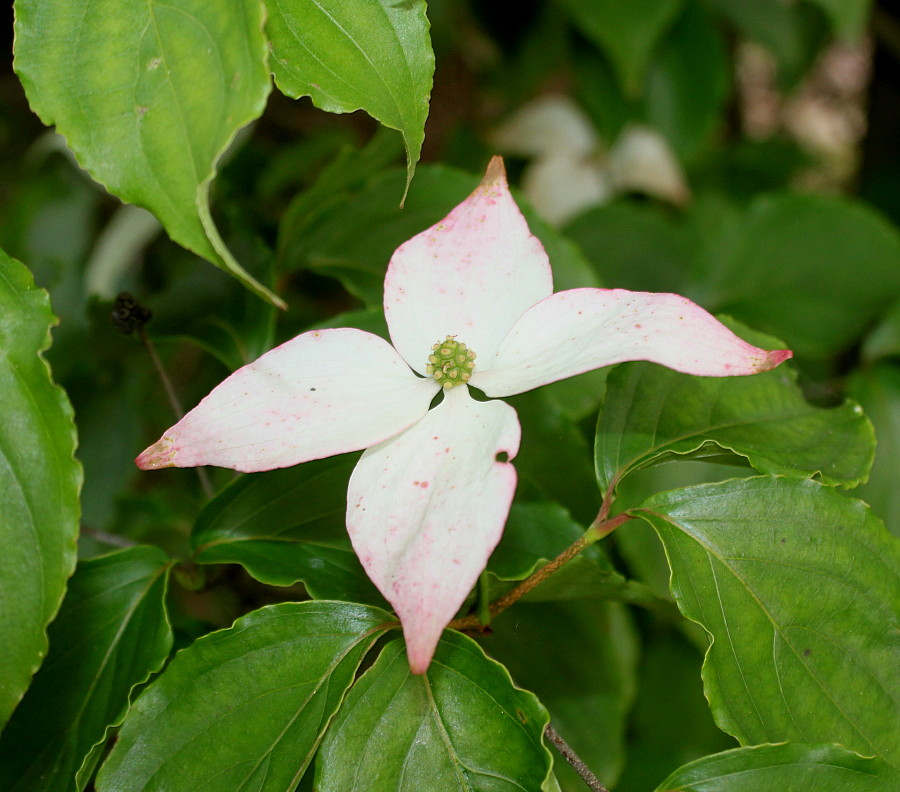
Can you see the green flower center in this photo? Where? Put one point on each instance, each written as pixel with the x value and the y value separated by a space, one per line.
pixel 450 362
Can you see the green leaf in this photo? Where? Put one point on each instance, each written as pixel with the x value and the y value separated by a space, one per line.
pixel 688 82
pixel 633 246
pixel 149 96
pixel 287 525
pixel 597 90
pixel 798 588
pixel 39 483
pixel 790 767
pixel 848 17
pixel 627 30
pixel 536 533
pixel 653 414
pixel 355 235
pixel 555 650
pixel 461 726
pixel 346 174
pixel 355 238
pixel 878 390
pixel 244 708
pixel 670 723
pixel 814 270
pixel 357 55
pixel 110 635
pixel 571 270
pixel 549 436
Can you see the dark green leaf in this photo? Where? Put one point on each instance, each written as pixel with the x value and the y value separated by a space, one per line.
pixel 538 532
pixel 39 483
pixel 555 650
pixel 578 397
pixel 670 723
pixel 571 270
pixel 688 83
pixel 813 270
pixel 461 726
pixel 287 525
pixel 627 30
pixel 633 246
pixel 346 174
pixel 110 635
pixel 653 414
pixel 244 708
pixel 357 55
pixel 598 91
pixel 790 767
pixel 149 96
pixel 848 17
pixel 354 236
pixel 798 588
pixel 549 436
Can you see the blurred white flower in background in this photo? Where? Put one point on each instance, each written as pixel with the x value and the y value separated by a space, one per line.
pixel 572 170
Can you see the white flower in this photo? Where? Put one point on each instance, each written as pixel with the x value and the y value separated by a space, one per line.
pixel 428 500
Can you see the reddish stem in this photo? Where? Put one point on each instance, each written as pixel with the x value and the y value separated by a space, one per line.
pixel 597 531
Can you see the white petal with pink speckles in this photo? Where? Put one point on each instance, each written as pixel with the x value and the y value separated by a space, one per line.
pixel 471 275
pixel 322 393
pixel 426 508
pixel 583 329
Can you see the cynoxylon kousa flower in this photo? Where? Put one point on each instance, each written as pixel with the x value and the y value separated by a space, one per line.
pixel 469 303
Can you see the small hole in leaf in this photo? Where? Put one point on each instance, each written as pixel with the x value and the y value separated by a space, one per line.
pixel 502 456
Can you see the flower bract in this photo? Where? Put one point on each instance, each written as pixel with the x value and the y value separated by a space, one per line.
pixel 428 499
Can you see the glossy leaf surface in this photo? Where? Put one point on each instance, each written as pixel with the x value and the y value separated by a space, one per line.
pixel 461 726
pixel 798 588
pixel 149 96
pixel 791 767
pixel 111 633
pixel 555 649
pixel 39 483
pixel 244 708
pixel 285 526
pixel 652 414
pixel 357 55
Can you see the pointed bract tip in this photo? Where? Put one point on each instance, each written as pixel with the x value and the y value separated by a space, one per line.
pixel 775 358
pixel 495 173
pixel 421 644
pixel 160 455
pixel 419 661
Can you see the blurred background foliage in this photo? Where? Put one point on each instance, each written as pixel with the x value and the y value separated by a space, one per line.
pixel 746 155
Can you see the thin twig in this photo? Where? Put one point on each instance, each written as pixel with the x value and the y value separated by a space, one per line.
pixel 107 538
pixel 173 400
pixel 594 533
pixel 162 373
pixel 577 764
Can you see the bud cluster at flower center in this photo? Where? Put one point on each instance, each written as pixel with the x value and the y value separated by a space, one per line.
pixel 450 362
